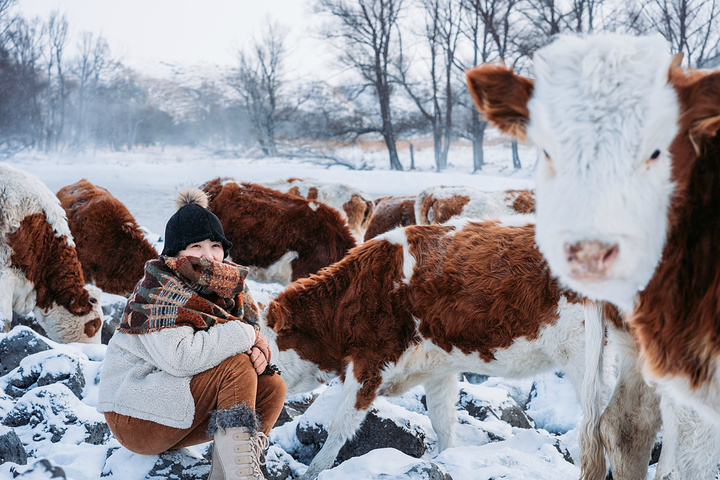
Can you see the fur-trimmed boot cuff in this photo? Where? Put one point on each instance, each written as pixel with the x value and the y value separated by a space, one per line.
pixel 236 416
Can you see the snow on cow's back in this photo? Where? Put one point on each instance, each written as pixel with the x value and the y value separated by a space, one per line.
pixel 23 194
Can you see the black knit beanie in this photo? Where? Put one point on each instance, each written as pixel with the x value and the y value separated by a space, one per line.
pixel 192 223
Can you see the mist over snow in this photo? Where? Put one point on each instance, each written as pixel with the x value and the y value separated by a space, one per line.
pixel 66 430
pixel 146 181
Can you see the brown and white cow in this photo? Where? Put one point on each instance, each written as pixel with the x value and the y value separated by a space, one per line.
pixel 419 304
pixel 438 204
pixel 39 267
pixel 281 237
pixel 628 189
pixel 391 212
pixel 110 245
pixel 355 206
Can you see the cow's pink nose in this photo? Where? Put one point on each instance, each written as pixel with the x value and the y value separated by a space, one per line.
pixel 591 260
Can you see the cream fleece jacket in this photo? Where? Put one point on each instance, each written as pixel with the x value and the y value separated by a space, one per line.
pixel 148 376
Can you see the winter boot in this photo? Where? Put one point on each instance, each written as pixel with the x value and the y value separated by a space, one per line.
pixel 238 447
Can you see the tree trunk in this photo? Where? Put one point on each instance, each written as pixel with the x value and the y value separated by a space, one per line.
pixel 447 136
pixel 478 129
pixel 437 143
pixel 388 131
pixel 412 157
pixel 392 151
pixel 515 155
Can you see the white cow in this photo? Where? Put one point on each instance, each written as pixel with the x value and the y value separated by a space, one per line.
pixel 438 204
pixel 39 267
pixel 627 191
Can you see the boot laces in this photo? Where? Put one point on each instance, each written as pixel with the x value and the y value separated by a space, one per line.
pixel 260 444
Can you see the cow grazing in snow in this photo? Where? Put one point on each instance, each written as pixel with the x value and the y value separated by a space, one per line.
pixel 419 304
pixel 39 267
pixel 391 212
pixel 628 189
pixel 355 206
pixel 439 204
pixel 110 245
pixel 281 237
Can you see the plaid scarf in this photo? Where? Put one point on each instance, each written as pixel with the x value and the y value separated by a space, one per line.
pixel 188 291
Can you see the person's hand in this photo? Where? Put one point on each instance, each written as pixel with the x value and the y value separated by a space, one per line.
pixel 260 353
pixel 258 360
pixel 262 344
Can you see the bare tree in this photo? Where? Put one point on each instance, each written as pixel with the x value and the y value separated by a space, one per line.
pixel 441 32
pixel 6 21
pixel 56 38
pixel 368 39
pixel 691 27
pixel 21 116
pixel 124 104
pixel 547 18
pixel 488 26
pixel 582 15
pixel 93 61
pixel 259 80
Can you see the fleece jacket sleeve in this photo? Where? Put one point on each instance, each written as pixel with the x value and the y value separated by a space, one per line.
pixel 182 352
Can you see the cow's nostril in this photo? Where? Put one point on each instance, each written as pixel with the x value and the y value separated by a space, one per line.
pixel 571 251
pixel 591 259
pixel 610 254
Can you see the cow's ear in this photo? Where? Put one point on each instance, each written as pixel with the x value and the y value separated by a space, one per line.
pixel 699 96
pixel 501 96
pixel 703 130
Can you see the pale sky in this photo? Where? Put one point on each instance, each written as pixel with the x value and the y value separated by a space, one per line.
pixel 182 30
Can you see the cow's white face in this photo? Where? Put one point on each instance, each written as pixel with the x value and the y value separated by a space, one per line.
pixel 604 115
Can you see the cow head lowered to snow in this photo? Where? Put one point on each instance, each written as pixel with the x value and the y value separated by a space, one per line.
pixel 627 189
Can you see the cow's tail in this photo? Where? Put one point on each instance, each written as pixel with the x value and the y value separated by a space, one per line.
pixel 592 454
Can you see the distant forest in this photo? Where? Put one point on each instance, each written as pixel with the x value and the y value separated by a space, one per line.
pixel 404 62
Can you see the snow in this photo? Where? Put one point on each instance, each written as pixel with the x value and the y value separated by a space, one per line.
pixel 147 181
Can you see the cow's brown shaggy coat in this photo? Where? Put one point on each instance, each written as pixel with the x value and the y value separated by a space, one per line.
pixel 391 212
pixel 264 225
pixel 110 245
pixel 51 264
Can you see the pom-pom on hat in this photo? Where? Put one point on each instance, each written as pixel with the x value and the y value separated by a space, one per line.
pixel 192 223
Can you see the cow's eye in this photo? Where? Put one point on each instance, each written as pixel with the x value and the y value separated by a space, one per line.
pixel 547 155
pixel 655 155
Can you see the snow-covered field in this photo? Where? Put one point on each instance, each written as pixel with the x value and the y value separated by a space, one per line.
pixel 147 181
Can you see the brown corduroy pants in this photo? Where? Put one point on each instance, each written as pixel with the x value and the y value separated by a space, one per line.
pixel 231 383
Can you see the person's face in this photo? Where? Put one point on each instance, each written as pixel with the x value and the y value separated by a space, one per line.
pixel 206 249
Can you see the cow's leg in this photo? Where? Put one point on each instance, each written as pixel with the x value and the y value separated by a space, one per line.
pixel 441 394
pixel 345 422
pixel 691 444
pixel 631 420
